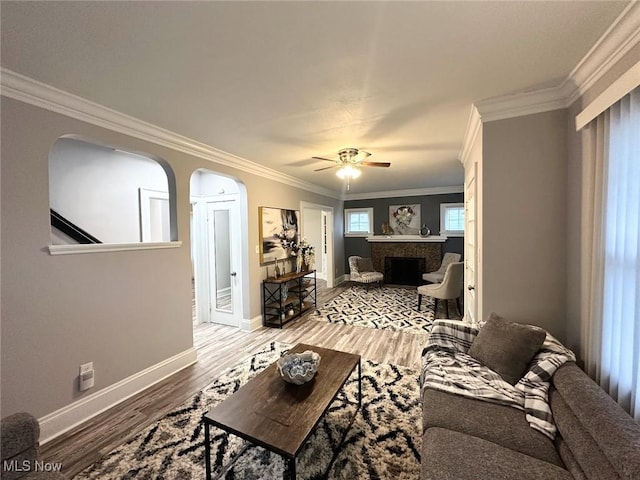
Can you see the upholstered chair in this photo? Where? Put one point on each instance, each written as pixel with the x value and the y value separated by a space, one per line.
pixel 450 288
pixel 438 275
pixel 361 271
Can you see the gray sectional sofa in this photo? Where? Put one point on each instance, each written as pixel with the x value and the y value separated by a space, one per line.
pixel 467 438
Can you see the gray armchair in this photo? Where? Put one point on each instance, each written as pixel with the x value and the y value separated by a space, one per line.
pixel 19 443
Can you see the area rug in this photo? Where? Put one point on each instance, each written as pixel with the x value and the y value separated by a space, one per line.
pixel 383 441
pixel 389 308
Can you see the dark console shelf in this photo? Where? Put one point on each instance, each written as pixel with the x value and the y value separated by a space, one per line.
pixel 287 297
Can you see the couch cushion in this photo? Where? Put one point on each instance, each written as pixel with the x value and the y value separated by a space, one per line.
pixel 593 425
pixel 507 347
pixel 506 426
pixel 450 455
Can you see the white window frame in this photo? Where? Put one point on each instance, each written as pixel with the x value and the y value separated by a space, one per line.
pixel 444 208
pixel 348 212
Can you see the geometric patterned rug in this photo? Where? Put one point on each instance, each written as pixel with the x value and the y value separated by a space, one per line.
pixel 383 442
pixel 386 308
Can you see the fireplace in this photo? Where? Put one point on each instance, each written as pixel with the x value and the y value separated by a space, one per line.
pixel 427 254
pixel 404 270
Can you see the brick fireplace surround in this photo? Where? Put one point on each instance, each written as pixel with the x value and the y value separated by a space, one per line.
pixel 431 251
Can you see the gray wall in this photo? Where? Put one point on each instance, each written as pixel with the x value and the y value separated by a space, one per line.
pixel 524 219
pixel 429 216
pixel 125 311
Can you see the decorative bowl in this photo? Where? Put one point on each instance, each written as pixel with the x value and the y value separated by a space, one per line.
pixel 298 368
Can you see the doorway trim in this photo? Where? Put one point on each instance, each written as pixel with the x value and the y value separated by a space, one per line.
pixel 199 250
pixel 328 212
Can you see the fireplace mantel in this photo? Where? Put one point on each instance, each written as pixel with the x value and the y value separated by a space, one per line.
pixel 406 238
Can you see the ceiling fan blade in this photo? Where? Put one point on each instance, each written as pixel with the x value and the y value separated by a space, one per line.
pixel 325 168
pixel 326 159
pixel 376 164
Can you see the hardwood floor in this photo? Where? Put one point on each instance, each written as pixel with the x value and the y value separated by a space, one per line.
pixel 219 347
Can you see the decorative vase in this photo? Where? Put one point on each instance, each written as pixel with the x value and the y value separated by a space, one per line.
pixel 276 273
pixel 425 231
pixel 299 262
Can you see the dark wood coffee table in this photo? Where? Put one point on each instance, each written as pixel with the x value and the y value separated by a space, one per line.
pixel 280 416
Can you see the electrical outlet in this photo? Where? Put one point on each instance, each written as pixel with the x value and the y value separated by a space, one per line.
pixel 86 368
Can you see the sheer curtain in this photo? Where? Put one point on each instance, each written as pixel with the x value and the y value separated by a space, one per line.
pixel 611 260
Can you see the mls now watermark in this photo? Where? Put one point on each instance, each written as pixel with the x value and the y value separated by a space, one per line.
pixel 29 466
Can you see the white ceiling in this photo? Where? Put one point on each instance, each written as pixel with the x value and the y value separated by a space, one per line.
pixel 279 82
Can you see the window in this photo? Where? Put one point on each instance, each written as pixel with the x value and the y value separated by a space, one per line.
pixel 452 219
pixel 358 222
pixel 620 350
pixel 610 307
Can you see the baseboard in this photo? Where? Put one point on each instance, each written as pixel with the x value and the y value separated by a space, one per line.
pixel 66 418
pixel 341 279
pixel 250 325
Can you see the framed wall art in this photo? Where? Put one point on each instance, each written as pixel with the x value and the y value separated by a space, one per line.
pixel 279 228
pixel 405 219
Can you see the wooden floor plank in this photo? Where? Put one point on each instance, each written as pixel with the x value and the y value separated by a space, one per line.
pixel 220 347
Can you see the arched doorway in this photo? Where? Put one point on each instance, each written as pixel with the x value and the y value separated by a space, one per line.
pixel 217 247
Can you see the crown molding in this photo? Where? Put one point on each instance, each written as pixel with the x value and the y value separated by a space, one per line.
pixel 621 36
pixel 27 90
pixel 417 192
pixel 520 104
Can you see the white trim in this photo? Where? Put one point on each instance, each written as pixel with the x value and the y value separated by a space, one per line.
pixel 252 324
pixel 109 247
pixel 346 214
pixel 621 36
pixel 444 207
pixel 618 89
pixel 66 418
pixel 145 196
pixel 474 124
pixel 33 92
pixel 520 104
pixel 418 192
pixel 406 239
pixel 327 211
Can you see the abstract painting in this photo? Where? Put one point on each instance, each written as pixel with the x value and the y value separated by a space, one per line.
pixel 279 228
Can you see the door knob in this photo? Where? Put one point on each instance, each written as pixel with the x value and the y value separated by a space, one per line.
pixel 233 274
pixel 471 287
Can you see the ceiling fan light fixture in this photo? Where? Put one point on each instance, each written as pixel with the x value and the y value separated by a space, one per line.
pixel 348 171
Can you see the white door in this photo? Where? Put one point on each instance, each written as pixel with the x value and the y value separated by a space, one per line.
pixel 321 217
pixel 471 245
pixel 224 262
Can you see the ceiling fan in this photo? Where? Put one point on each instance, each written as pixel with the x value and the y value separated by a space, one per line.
pixel 348 161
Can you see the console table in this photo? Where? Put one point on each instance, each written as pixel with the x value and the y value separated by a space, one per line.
pixel 287 297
